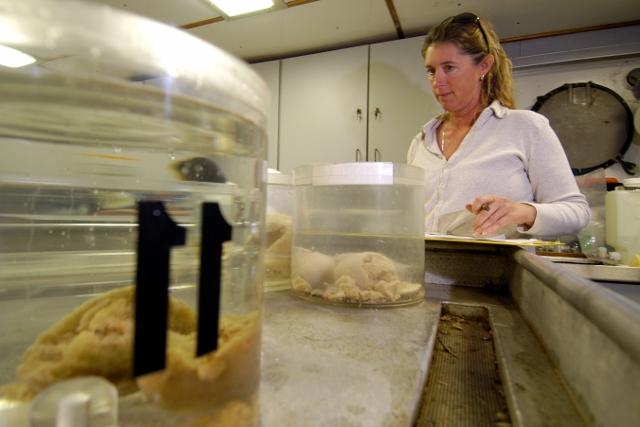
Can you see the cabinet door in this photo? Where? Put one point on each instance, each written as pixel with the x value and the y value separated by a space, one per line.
pixel 270 73
pixel 400 98
pixel 323 111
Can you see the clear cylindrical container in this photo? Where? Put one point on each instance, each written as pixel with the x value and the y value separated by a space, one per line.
pixel 278 230
pixel 131 221
pixel 622 220
pixel 358 236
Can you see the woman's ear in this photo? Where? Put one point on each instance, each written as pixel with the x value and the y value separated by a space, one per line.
pixel 487 63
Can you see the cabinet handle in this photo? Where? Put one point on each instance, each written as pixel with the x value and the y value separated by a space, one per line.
pixel 377 155
pixel 359 114
pixel 377 113
pixel 357 154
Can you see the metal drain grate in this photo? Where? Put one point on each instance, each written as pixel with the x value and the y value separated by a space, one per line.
pixel 463 385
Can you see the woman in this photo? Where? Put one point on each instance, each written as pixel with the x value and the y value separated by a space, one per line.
pixel 505 166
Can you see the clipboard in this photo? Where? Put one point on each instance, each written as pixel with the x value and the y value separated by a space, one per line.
pixel 491 240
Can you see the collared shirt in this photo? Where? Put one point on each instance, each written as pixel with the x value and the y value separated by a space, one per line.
pixel 509 153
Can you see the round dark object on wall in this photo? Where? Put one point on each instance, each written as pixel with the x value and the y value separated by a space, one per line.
pixel 633 77
pixel 594 124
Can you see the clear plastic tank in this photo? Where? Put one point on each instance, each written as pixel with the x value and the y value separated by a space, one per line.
pixel 359 233
pixel 131 222
pixel 279 223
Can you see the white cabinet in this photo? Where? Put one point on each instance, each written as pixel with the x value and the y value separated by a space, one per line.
pixel 374 99
pixel 323 108
pixel 363 103
pixel 270 73
pixel 400 98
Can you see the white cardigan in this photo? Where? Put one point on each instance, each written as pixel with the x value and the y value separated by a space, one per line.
pixel 509 153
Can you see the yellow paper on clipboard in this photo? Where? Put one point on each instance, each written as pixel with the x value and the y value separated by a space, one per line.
pixel 461 223
pixel 490 240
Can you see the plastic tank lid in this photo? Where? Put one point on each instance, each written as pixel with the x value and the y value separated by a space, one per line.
pixel 274 176
pixel 359 173
pixel 631 183
pixel 85 38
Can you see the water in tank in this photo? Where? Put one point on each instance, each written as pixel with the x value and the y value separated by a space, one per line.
pixel 131 222
pixel 358 234
pixel 278 231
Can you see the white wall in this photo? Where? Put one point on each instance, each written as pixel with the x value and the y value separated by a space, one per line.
pixel 537 81
pixel 602 56
pixel 541 65
pixel 270 73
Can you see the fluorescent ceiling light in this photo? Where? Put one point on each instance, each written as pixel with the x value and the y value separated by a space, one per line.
pixel 13 58
pixel 240 7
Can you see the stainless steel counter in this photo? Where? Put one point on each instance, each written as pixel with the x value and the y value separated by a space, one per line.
pixel 621 279
pixel 601 272
pixel 568 349
pixel 340 366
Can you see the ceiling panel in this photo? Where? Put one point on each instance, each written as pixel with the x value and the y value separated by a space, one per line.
pixel 323 24
pixel 172 12
pixel 518 17
pixel 329 24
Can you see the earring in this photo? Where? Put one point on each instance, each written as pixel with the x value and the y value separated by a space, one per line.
pixel 481 77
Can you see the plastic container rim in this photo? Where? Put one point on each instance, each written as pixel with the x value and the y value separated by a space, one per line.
pixel 123 46
pixel 358 173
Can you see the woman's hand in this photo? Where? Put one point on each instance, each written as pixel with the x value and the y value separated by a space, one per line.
pixel 494 212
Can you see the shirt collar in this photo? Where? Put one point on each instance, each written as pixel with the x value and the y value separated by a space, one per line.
pixel 499 110
pixel 428 130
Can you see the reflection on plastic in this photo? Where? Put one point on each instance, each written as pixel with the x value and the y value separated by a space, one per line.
pixel 79 402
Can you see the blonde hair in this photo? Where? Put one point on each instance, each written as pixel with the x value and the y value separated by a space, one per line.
pixel 497 84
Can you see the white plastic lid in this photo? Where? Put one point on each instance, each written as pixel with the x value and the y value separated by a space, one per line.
pixel 276 177
pixel 631 183
pixel 359 173
pixel 93 40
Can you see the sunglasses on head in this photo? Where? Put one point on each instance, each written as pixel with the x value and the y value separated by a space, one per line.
pixel 470 18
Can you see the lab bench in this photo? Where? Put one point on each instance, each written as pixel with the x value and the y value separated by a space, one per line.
pixel 566 350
